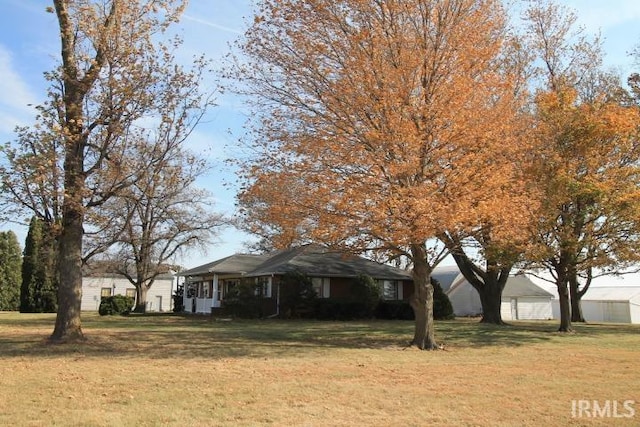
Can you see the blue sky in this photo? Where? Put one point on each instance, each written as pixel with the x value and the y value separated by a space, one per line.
pixel 29 46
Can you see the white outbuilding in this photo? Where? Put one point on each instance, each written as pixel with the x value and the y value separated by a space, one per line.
pixel 99 282
pixel 610 298
pixel 522 299
pixel 619 304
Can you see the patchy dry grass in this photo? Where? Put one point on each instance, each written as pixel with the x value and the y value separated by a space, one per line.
pixel 177 371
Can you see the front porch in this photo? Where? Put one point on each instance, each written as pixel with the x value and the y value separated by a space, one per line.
pixel 200 305
pixel 206 293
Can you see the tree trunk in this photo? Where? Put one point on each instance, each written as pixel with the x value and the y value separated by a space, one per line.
pixel 422 301
pixel 491 300
pixel 68 325
pixel 141 298
pixel 489 283
pixel 70 250
pixel 565 307
pixel 575 296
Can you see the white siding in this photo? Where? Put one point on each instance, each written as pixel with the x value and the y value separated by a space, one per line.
pixel 505 309
pixel 91 287
pixel 606 311
pixel 531 308
pixel 465 300
pixel 634 310
pixel 160 292
pixel 526 308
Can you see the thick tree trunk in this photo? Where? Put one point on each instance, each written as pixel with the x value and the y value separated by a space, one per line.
pixel 68 325
pixel 70 250
pixel 491 300
pixel 575 296
pixel 489 283
pixel 141 299
pixel 422 301
pixel 565 307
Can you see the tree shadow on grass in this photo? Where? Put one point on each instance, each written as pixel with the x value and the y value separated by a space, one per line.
pixel 193 337
pixel 471 333
pixel 203 337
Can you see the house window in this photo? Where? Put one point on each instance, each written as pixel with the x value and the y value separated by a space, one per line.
pixel 191 289
pixel 229 285
pixel 321 286
pixel 219 290
pixel 206 289
pixel 105 292
pixel 263 287
pixel 390 290
pixel 131 292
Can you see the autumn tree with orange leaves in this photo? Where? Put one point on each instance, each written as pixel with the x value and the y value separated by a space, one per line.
pixel 587 160
pixel 379 125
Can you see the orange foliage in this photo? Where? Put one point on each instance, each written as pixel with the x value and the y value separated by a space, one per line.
pixel 589 161
pixel 392 121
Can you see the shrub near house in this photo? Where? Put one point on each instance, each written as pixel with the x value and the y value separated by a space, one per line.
pixel 117 304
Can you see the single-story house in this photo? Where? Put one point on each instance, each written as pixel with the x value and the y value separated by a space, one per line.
pixel 522 299
pixel 98 283
pixel 331 273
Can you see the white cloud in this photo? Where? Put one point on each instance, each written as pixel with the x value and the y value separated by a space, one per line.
pixel 211 24
pixel 16 103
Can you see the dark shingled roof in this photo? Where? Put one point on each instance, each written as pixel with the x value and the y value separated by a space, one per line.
pixel 318 261
pixel 234 264
pixel 312 260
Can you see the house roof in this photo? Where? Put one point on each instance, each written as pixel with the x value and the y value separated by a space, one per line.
pixel 613 293
pixel 446 275
pixel 104 268
pixel 450 278
pixel 234 264
pixel 315 260
pixel 312 260
pixel 521 286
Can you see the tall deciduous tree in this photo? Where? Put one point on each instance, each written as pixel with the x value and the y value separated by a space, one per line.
pixel 114 78
pixel 10 264
pixel 380 125
pixel 587 161
pixel 147 224
pixel 38 293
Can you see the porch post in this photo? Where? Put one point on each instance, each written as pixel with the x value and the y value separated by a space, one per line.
pixel 186 307
pixel 216 291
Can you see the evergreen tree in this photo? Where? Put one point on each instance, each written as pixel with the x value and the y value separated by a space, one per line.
pixel 38 293
pixel 10 261
pixel 29 258
pixel 442 308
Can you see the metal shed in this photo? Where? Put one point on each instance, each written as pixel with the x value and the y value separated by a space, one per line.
pixel 620 304
pixel 521 298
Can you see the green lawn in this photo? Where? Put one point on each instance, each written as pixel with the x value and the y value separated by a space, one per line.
pixel 173 370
